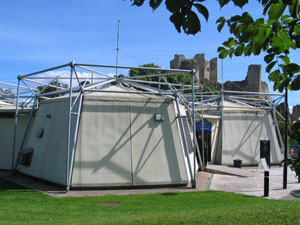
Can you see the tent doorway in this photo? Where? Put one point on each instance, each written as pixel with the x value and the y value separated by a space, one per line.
pixel 206 151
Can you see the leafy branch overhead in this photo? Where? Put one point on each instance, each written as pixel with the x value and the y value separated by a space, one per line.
pixel 277 33
pixel 184 13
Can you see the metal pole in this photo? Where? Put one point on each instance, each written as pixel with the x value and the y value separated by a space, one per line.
pixel 75 139
pixel 202 129
pixel 69 129
pixel 117 57
pixel 285 141
pixel 222 124
pixel 15 128
pixel 186 148
pixel 277 127
pixel 266 183
pixel 194 127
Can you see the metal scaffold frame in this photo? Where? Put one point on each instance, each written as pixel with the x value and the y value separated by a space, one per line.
pixel 191 96
pixel 93 82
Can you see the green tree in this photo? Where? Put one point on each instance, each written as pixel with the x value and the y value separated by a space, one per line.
pixel 54 87
pixel 174 79
pixel 276 33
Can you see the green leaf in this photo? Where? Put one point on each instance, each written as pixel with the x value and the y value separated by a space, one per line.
pixel 276 10
pixel 223 54
pixel 220 26
pixel 286 41
pixel 277 45
pixel 294 9
pixel 235 18
pixel 239 50
pixel 285 59
pixel 138 2
pixel 191 23
pixel 154 4
pixel 292 68
pixel 274 75
pixel 173 6
pixel 221 19
pixel 177 20
pixel 297 30
pixel 260 21
pixel 221 49
pixel 223 2
pixel 230 52
pixel 240 3
pixel 248 49
pixel 247 18
pixel 270 66
pixel 202 10
pixel 268 58
pixel 295 85
pixel 250 31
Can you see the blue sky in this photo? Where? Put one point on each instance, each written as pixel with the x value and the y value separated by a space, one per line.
pixel 36 35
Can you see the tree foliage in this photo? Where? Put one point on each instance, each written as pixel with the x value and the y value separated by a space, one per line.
pixel 174 79
pixel 277 32
pixel 5 92
pixel 52 86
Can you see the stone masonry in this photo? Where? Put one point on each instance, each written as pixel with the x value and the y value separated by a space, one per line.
pixel 296 113
pixel 207 72
pixel 204 69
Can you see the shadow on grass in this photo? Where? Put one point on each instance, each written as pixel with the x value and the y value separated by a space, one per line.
pixel 169 193
pixel 6 185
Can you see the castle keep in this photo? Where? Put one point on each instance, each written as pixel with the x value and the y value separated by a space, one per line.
pixel 207 73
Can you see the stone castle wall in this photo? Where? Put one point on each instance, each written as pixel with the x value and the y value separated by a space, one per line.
pixel 296 113
pixel 207 72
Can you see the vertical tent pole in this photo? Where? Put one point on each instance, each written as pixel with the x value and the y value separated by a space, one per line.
pixel 222 125
pixel 75 139
pixel 69 127
pixel 285 141
pixel 277 127
pixel 202 129
pixel 184 137
pixel 15 128
pixel 194 126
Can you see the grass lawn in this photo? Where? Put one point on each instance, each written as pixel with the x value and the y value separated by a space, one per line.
pixel 19 205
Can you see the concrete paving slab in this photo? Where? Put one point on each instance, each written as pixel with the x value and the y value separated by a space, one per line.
pixel 254 185
pixel 219 169
pixel 203 179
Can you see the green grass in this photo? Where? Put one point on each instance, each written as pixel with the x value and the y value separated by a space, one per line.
pixel 19 205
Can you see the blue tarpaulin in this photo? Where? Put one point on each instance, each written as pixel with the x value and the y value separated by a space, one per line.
pixel 207 125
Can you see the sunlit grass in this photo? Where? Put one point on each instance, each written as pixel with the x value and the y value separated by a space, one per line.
pixel 19 205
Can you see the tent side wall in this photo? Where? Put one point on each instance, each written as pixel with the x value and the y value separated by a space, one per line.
pixel 7 127
pixel 49 150
pixel 121 144
pixel 242 134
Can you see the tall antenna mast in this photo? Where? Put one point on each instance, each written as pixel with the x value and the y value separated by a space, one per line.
pixel 117 58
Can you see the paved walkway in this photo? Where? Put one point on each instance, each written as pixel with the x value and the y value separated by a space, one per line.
pixel 203 179
pixel 247 181
pixel 254 185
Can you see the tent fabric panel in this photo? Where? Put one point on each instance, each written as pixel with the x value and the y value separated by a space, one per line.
pixel 157 156
pixel 49 156
pixel 242 134
pixel 55 162
pixel 7 137
pixel 103 152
